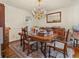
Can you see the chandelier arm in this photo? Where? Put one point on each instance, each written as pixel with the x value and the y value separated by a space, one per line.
pixel 38 12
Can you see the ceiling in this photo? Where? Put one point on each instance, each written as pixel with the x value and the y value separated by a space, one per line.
pixel 29 5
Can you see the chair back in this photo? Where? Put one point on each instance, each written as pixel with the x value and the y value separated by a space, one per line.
pixel 67 35
pixel 25 33
pixel 66 38
pixel 60 32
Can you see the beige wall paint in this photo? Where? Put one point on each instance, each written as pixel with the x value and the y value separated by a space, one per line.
pixel 66 18
pixel 69 18
pixel 15 19
pixel 76 13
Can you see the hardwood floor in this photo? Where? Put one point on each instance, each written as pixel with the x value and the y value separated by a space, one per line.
pixel 76 52
pixel 11 54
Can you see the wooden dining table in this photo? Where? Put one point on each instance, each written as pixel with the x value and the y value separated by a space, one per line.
pixel 43 40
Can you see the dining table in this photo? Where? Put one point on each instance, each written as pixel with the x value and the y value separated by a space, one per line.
pixel 43 40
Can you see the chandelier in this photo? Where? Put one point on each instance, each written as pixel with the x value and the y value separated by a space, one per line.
pixel 38 12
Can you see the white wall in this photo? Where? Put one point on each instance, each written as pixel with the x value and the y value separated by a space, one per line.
pixel 66 17
pixel 15 19
pixel 76 13
pixel 69 18
pixel 1 1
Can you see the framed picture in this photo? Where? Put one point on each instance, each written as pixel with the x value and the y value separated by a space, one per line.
pixel 53 17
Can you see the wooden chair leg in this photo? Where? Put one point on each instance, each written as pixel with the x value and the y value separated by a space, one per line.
pixel 23 46
pixel 65 53
pixel 20 43
pixel 28 51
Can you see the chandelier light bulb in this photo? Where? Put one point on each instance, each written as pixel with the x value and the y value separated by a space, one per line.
pixel 39 11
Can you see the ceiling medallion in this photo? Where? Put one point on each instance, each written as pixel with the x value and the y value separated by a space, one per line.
pixel 38 12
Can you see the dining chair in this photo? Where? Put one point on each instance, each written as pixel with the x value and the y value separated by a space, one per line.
pixel 60 46
pixel 61 33
pixel 28 43
pixel 21 38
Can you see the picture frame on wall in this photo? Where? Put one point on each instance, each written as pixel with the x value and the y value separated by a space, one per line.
pixel 53 17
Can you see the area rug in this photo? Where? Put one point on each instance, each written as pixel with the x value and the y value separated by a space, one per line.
pixel 15 46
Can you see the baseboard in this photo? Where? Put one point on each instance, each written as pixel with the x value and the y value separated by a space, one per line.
pixel 13 41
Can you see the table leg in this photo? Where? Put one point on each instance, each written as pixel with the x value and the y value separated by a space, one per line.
pixel 49 51
pixel 43 49
pixel 36 45
pixel 41 45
